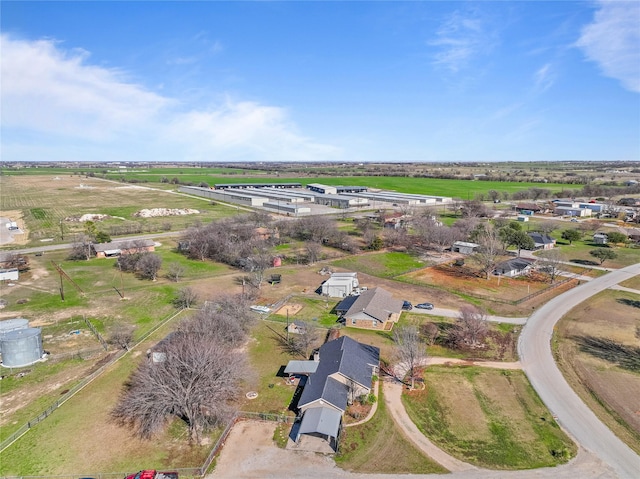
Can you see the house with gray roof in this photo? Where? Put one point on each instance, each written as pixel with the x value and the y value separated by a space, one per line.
pixel 375 308
pixel 345 370
pixel 542 241
pixel 514 267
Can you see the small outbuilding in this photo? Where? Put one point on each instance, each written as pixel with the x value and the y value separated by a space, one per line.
pixel 464 247
pixel 600 238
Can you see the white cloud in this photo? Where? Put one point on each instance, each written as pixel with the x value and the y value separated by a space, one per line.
pixel 544 78
pixel 612 41
pixel 460 39
pixel 57 97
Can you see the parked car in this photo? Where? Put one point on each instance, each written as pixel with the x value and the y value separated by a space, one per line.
pixel 424 306
pixel 407 306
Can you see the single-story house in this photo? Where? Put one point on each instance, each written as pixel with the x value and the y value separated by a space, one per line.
pixel 344 371
pixel 117 248
pixel 514 267
pixel 529 208
pixel 340 285
pixel 464 247
pixel 542 241
pixel 373 309
pixel 600 238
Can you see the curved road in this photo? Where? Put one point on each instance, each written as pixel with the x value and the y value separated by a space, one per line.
pixel 536 357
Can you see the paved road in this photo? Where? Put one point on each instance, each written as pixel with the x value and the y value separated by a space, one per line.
pixel 534 348
pixel 454 313
pixel 55 247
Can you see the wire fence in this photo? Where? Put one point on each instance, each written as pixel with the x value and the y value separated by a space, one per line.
pixel 71 392
pixel 184 473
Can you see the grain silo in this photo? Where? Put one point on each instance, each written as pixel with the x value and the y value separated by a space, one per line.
pixel 21 347
pixel 11 325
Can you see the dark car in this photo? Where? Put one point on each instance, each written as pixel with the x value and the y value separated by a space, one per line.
pixel 424 306
pixel 407 306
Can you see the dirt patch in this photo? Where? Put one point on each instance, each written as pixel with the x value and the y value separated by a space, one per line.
pixel 250 452
pixel 21 237
pixel 289 309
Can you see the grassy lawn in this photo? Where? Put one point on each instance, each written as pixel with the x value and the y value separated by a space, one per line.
pixel 80 436
pixel 316 310
pixel 382 264
pixel 633 283
pixel 489 418
pixel 578 252
pixel 378 446
pixel 267 358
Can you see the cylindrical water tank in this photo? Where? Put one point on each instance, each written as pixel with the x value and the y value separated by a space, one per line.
pixel 11 325
pixel 21 347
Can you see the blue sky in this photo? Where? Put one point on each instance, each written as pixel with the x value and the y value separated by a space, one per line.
pixel 320 81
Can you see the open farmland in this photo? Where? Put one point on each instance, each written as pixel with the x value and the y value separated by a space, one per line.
pixel 596 347
pixel 465 189
pixel 47 205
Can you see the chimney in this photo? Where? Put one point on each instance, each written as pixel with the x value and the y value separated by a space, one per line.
pixel 316 355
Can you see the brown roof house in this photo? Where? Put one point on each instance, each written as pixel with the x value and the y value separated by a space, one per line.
pixel 373 309
pixel 117 248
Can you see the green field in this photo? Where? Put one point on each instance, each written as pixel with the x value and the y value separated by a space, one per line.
pixel 490 418
pixel 378 446
pixel 465 189
pixel 383 265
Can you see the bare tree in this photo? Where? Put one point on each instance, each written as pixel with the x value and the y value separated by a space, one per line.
pixel 430 331
pixel 307 338
pixel 80 248
pixel 186 298
pixel 313 251
pixel 195 381
pixel 176 270
pixel 121 336
pixel 551 263
pixel 546 227
pixel 470 329
pixel 258 264
pixel 148 266
pixel 410 350
pixel 489 248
